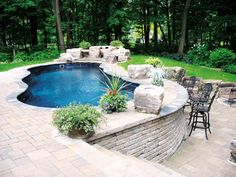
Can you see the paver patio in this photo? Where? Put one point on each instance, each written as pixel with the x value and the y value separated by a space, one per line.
pixel 30 146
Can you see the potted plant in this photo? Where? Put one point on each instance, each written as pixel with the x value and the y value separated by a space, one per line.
pixel 114 100
pixel 76 120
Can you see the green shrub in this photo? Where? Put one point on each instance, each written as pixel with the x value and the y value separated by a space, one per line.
pixel 116 43
pixel 198 54
pixel 21 56
pixel 155 62
pixel 45 55
pixel 85 44
pixel 113 102
pixel 221 57
pixel 76 117
pixel 5 57
pixel 230 68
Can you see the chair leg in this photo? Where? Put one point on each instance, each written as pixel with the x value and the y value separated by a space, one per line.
pixel 192 126
pixel 205 124
pixel 191 115
pixel 208 121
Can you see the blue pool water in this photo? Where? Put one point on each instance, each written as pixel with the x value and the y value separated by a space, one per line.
pixel 59 85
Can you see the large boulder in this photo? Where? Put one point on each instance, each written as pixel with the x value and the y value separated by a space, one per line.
pixel 106 50
pixel 110 59
pixel 233 150
pixel 174 73
pixel 140 71
pixel 148 98
pixel 122 54
pixel 65 57
pixel 74 52
pixel 94 52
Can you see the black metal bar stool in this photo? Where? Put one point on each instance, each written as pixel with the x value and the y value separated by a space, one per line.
pixel 201 110
pixel 201 97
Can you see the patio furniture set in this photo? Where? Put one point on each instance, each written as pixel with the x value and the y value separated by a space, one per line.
pixel 201 100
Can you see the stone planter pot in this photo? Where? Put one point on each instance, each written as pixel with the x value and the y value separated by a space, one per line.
pixel 148 98
pixel 75 133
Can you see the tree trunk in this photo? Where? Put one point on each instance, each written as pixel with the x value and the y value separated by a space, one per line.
pixel 146 26
pixel 33 30
pixel 163 34
pixel 174 22
pixel 56 7
pixel 155 34
pixel 184 27
pixel 168 22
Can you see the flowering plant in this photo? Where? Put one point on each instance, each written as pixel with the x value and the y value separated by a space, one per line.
pixel 114 100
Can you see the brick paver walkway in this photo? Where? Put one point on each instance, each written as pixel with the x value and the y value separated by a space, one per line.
pixel 201 158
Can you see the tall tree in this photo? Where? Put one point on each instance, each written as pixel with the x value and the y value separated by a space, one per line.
pixel 184 27
pixel 60 36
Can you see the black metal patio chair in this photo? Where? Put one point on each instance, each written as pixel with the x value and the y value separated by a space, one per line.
pixel 202 110
pixel 201 97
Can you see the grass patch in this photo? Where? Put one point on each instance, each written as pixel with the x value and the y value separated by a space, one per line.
pixel 192 70
pixel 7 66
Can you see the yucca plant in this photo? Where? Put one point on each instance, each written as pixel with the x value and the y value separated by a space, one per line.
pixel 114 100
pixel 114 85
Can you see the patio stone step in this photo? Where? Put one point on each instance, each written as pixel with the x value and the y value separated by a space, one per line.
pixel 138 167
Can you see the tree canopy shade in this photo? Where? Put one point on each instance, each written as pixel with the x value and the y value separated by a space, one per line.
pixel 157 24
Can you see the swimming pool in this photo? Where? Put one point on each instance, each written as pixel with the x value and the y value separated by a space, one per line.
pixel 61 84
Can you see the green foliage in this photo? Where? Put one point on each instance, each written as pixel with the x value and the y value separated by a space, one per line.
pixel 221 57
pixel 4 57
pixel 113 102
pixel 157 78
pixel 116 43
pixel 45 55
pixel 21 56
pixel 114 84
pixel 155 62
pixel 39 55
pixel 85 44
pixel 199 54
pixel 230 68
pixel 76 117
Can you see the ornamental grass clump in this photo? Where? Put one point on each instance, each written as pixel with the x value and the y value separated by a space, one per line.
pixel 76 118
pixel 155 62
pixel 114 100
pixel 157 77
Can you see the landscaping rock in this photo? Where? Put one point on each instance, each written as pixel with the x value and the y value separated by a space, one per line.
pixel 106 50
pixel 94 52
pixel 122 54
pixel 233 150
pixel 65 57
pixel 74 52
pixel 148 98
pixel 140 71
pixel 111 59
pixel 174 73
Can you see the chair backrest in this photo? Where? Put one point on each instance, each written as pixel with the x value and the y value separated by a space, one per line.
pixel 212 99
pixel 189 82
pixel 206 91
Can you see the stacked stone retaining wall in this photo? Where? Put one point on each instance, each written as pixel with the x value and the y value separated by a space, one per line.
pixel 155 140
